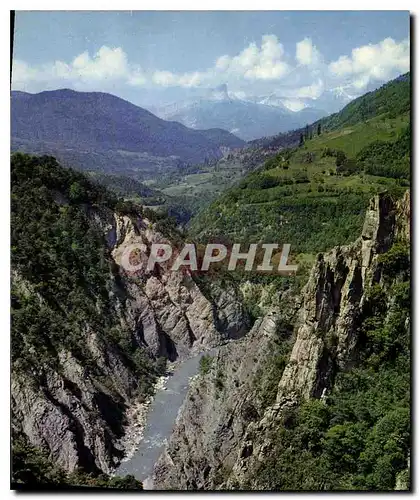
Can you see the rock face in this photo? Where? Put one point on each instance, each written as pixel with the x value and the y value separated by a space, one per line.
pixel 211 430
pixel 222 430
pixel 332 300
pixel 78 415
pixel 168 311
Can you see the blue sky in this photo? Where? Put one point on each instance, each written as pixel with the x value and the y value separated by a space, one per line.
pixel 157 57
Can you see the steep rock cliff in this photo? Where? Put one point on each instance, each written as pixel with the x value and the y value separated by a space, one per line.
pixel 224 430
pixel 77 412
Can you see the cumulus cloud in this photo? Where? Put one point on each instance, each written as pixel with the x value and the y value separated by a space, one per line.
pixel 107 65
pixel 22 73
pixel 168 79
pixel 307 54
pixel 312 91
pixel 378 62
pixel 264 62
pixel 165 78
pixel 260 68
pixel 257 63
pixel 137 77
pixel 294 104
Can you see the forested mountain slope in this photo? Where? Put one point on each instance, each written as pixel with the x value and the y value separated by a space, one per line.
pixel 317 396
pixel 314 195
pixel 375 118
pixel 89 339
pixel 99 131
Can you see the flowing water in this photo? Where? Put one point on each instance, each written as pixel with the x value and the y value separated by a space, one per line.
pixel 160 421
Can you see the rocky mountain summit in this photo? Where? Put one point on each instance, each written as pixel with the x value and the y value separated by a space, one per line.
pixel 247 118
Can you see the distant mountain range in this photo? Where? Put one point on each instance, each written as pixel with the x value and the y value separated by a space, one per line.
pixel 98 131
pixel 249 118
pixel 101 132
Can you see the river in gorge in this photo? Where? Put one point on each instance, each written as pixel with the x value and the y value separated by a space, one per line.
pixel 160 420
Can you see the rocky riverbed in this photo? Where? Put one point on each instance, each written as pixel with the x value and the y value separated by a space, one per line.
pixel 151 422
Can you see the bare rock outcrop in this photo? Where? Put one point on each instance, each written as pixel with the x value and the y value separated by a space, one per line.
pixel 216 443
pixel 212 425
pixel 78 414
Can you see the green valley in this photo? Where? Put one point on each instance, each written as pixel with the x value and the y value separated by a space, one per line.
pixel 314 196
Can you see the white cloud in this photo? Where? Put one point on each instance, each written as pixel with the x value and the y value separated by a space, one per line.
pixel 361 83
pixel 257 63
pixel 165 78
pixel 298 78
pixel 378 62
pixel 240 94
pixel 312 91
pixel 294 104
pixel 137 77
pixel 22 73
pixel 108 65
pixel 222 63
pixel 307 54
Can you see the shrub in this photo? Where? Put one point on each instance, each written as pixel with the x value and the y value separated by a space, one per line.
pixel 206 362
pixel 396 260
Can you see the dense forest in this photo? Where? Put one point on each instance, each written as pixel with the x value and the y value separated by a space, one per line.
pixel 359 437
pixel 61 287
pixel 313 196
